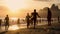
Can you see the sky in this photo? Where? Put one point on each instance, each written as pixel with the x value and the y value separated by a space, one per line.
pixel 19 8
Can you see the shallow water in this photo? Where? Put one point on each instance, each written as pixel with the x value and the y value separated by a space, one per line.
pixel 23 24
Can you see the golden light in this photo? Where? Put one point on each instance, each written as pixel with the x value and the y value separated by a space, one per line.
pixel 16 4
pixel 14 18
pixel 14 27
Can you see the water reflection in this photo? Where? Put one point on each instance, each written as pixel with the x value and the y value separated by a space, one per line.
pixel 23 24
pixel 13 27
pixel 16 27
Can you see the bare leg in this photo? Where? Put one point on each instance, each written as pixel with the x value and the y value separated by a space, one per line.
pixel 34 24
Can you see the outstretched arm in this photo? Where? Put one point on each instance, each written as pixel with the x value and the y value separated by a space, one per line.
pixel 38 15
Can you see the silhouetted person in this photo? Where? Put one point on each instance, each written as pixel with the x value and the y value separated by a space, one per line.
pixel 28 20
pixel 6 22
pixel 58 19
pixel 34 17
pixel 18 22
pixel 0 22
pixel 49 15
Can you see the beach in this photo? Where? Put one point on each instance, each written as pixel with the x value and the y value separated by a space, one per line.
pixel 41 28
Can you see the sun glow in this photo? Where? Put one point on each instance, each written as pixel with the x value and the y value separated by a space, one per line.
pixel 16 4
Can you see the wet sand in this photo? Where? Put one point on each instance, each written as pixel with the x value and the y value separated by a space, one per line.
pixel 42 29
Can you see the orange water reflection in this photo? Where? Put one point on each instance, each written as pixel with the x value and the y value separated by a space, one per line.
pixel 16 27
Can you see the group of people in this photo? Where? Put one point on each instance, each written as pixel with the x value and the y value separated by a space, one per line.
pixel 30 19
pixel 6 21
pixel 34 16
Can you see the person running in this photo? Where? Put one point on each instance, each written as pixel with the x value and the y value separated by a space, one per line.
pixel 34 16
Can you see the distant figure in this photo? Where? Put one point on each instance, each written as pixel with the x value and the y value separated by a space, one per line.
pixel 0 22
pixel 49 17
pixel 34 17
pixel 28 20
pixel 6 22
pixel 18 22
pixel 58 19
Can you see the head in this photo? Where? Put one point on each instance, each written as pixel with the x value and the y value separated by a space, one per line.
pixel 7 15
pixel 34 10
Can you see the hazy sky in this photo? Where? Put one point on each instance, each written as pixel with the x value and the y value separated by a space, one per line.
pixel 13 7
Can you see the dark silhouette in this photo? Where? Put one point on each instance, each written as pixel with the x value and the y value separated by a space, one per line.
pixel 18 22
pixel 0 22
pixel 28 20
pixel 58 19
pixel 34 17
pixel 6 22
pixel 49 17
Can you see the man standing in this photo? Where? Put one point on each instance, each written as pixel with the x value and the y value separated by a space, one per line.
pixel 28 20
pixel 6 22
pixel 49 17
pixel 18 22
